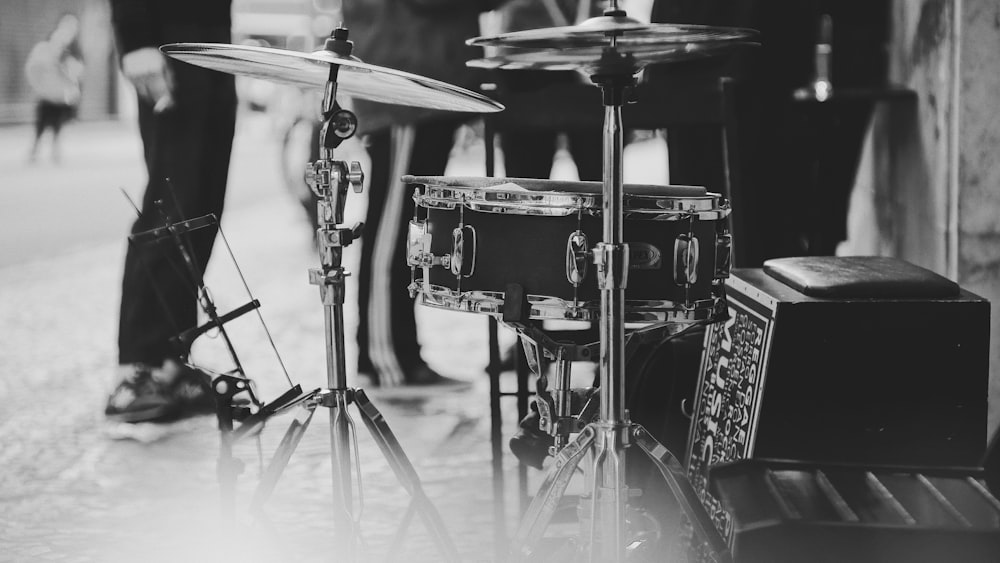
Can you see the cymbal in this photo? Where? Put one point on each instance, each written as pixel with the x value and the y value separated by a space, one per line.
pixel 622 32
pixel 608 43
pixel 596 60
pixel 311 70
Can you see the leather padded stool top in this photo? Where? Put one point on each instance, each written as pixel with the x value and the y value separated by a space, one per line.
pixel 834 277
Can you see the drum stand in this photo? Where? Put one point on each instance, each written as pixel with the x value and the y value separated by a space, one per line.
pixel 330 180
pixel 613 432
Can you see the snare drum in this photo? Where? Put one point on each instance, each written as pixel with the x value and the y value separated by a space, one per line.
pixel 471 237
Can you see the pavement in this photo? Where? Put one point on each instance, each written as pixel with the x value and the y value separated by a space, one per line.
pixel 75 488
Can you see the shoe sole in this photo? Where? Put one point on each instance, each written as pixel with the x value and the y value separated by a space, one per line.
pixel 147 415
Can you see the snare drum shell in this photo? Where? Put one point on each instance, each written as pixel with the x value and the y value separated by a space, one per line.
pixel 531 251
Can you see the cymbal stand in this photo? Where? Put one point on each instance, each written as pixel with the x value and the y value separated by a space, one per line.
pixel 330 180
pixel 613 432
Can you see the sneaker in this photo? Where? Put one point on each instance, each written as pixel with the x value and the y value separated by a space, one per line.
pixel 139 397
pixel 160 394
pixel 190 388
pixel 421 378
pixel 424 376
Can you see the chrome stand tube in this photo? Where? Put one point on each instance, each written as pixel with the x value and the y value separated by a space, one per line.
pixel 330 279
pixel 611 256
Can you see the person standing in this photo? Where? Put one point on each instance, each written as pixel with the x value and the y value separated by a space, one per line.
pixel 187 119
pixel 529 153
pixel 424 37
pixel 54 69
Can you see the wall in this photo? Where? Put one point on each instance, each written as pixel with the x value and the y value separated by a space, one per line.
pixel 928 190
pixel 978 173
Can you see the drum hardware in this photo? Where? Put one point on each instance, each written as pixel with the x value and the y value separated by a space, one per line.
pixel 611 49
pixel 577 256
pixel 463 255
pixel 564 410
pixel 336 71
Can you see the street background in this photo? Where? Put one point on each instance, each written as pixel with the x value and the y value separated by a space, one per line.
pixel 76 488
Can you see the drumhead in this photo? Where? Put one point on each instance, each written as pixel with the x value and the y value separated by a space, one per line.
pixel 540 185
pixel 531 196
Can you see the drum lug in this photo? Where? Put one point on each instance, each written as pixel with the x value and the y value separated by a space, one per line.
pixel 577 255
pixel 418 248
pixel 723 255
pixel 686 256
pixel 463 256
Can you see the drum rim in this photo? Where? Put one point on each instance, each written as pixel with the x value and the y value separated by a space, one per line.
pixel 493 182
pixel 545 307
pixel 711 206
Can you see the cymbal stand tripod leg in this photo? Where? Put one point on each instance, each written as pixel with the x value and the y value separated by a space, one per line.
pixel 406 474
pixel 676 478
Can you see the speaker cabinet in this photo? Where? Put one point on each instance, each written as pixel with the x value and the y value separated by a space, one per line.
pixel 839 379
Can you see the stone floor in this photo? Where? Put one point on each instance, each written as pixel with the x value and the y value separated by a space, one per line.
pixel 76 488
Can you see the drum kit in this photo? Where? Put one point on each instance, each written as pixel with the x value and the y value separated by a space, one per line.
pixel 468 248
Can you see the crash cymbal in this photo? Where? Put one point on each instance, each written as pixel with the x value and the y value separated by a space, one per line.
pixel 625 33
pixel 312 70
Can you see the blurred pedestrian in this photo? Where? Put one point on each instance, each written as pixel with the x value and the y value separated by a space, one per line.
pixel 187 118
pixel 424 37
pixel 54 71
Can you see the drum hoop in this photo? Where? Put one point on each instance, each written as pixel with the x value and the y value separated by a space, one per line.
pixel 553 308
pixel 561 204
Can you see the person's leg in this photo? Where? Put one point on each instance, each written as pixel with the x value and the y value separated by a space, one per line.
pixel 528 153
pixel 387 335
pixel 43 119
pixel 379 146
pixel 187 152
pixel 61 113
pixel 587 149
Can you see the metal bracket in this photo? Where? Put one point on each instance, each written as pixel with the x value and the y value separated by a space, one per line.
pixel 328 397
pixel 723 255
pixel 418 248
pixel 612 265
pixel 330 180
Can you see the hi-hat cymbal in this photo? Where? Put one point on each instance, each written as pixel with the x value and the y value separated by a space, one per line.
pixel 312 70
pixel 597 60
pixel 608 44
pixel 623 32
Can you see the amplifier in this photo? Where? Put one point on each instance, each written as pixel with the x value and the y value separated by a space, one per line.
pixel 818 362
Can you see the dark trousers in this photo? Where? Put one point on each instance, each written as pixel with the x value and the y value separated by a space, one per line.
pixel 528 153
pixel 187 150
pixel 52 115
pixel 388 347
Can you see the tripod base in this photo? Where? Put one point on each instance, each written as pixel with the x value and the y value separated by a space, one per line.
pixel 600 439
pixel 391 450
